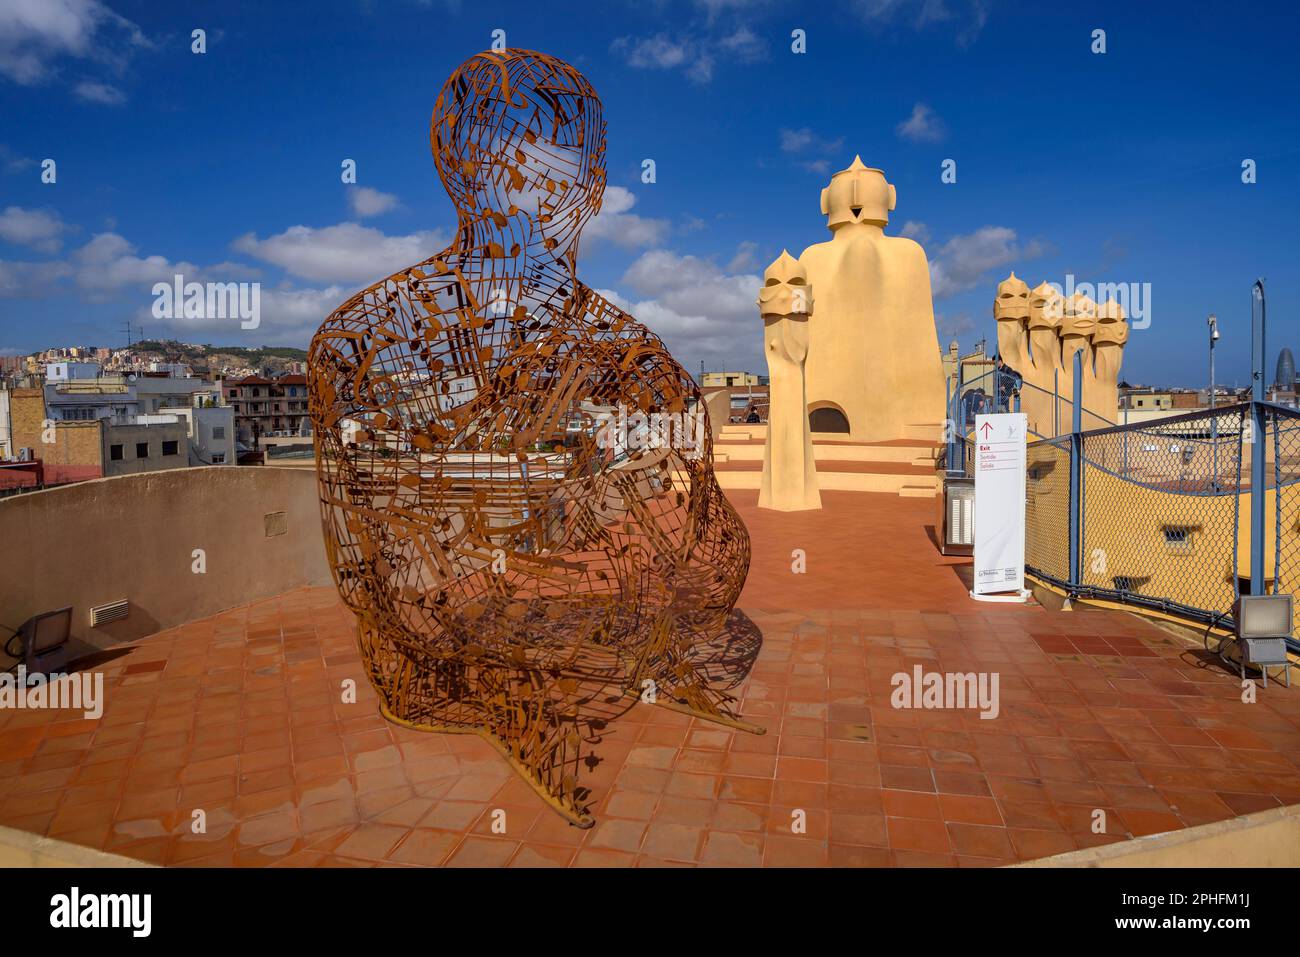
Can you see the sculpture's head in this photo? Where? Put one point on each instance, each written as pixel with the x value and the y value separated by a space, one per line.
pixel 1012 302
pixel 1111 328
pixel 858 194
pixel 1080 317
pixel 785 290
pixel 519 136
pixel 1046 307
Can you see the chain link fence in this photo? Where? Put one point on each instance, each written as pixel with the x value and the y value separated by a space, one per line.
pixel 1160 512
pixel 1163 510
pixel 1047 510
pixel 1284 432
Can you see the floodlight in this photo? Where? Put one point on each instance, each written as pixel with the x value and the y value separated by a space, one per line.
pixel 45 641
pixel 1263 623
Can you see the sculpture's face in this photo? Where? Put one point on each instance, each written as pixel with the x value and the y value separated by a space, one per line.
pixel 1111 327
pixel 785 291
pixel 1046 306
pixel 857 195
pixel 1080 317
pixel 1012 302
pixel 519 135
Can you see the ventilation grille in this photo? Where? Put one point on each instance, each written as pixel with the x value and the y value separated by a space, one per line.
pixel 961 516
pixel 114 611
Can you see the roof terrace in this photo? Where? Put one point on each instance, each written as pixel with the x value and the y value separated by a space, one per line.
pixel 223 694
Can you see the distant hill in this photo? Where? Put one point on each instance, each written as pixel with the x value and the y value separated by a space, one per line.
pixel 188 352
pixel 209 359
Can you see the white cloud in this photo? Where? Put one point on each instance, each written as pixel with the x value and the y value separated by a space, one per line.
pixel 107 268
pixel 691 55
pixel 743 46
pixel 658 52
pixel 14 162
pixel 33 33
pixel 626 229
pixel 102 93
pixel 794 141
pixel 28 280
pixel 744 260
pixel 288 317
pixel 35 228
pixel 953 327
pixel 701 311
pixel 366 202
pixel 923 126
pixel 805 142
pixel 963 261
pixel 917 231
pixel 108 265
pixel 969 17
pixel 347 252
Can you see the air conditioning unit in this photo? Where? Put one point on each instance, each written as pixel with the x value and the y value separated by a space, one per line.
pixel 957 523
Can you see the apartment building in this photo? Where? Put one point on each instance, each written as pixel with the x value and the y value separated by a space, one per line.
pixel 265 406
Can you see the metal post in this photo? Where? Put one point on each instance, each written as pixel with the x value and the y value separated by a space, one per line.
pixel 951 427
pixel 1076 470
pixel 1258 450
pixel 1056 402
pixel 1214 419
pixel 1125 473
pixel 1214 334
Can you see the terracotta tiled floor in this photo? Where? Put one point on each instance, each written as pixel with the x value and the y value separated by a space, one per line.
pixel 240 716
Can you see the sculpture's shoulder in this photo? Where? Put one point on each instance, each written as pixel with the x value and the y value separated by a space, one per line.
pixel 374 305
pixel 817 252
pixel 907 249
pixel 630 343
pixel 605 320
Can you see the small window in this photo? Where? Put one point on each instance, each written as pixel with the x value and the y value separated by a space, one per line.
pixel 1178 538
pixel 219 458
pixel 171 448
pixel 142 450
pixel 218 431
pixel 115 453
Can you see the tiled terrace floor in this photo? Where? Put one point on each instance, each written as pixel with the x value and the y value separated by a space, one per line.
pixel 240 716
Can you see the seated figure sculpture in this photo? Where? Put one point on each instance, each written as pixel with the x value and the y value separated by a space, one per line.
pixel 515 572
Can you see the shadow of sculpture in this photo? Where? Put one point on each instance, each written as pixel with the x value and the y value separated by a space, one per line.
pixel 516 477
pixel 725 659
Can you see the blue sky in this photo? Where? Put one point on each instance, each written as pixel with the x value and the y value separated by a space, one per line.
pixel 1118 167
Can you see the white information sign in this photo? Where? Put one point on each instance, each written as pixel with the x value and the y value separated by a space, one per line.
pixel 999 503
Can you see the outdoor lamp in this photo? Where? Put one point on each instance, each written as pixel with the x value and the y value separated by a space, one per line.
pixel 1263 623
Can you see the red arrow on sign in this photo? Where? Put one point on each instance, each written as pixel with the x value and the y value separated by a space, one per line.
pixel 986 426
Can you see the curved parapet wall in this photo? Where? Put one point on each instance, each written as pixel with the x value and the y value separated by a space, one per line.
pixel 135 537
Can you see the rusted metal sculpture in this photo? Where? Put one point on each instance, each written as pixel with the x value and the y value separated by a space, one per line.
pixel 516 477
